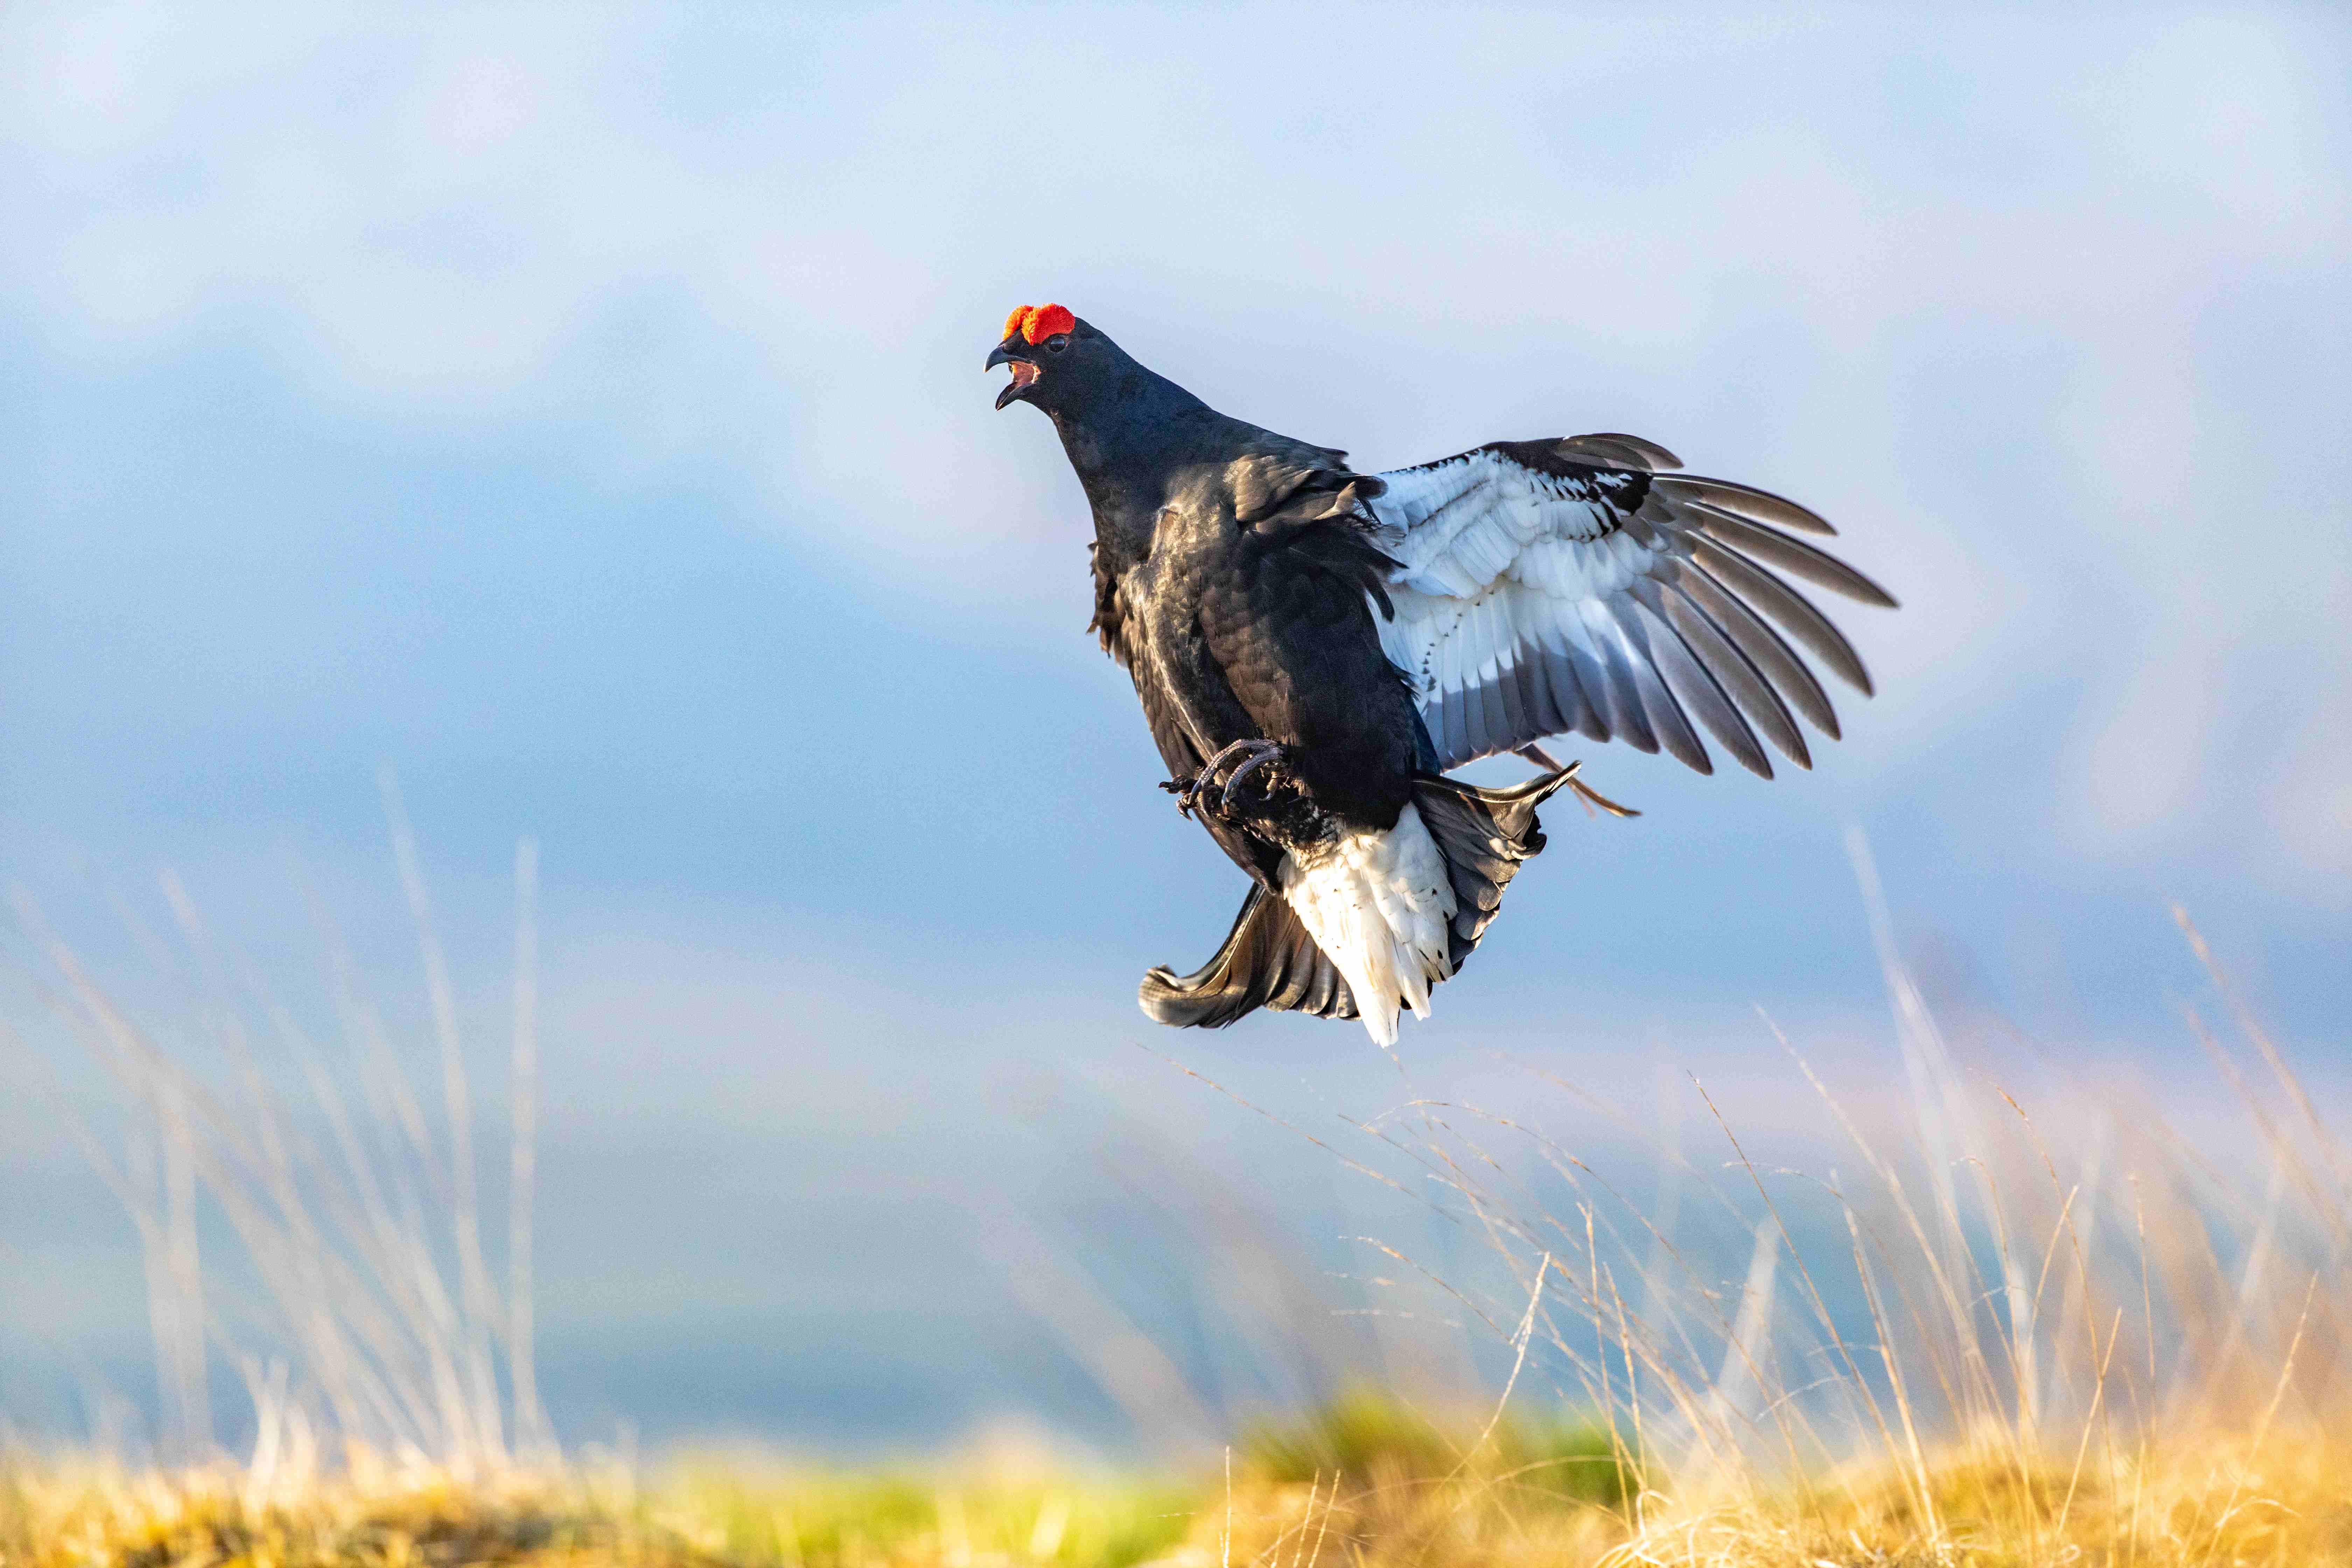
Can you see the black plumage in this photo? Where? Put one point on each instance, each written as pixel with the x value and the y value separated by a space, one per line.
pixel 1312 647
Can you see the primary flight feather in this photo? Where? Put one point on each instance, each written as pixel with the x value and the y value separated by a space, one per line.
pixel 1316 647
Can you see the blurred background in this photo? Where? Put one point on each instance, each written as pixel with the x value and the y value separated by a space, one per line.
pixel 579 413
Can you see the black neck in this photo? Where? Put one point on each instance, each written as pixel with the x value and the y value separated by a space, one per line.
pixel 1125 443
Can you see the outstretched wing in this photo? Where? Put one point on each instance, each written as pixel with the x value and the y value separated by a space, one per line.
pixel 1579 584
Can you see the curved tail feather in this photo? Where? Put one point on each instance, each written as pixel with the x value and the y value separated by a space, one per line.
pixel 1267 961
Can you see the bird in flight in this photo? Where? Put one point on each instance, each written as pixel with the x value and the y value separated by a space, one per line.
pixel 1316 648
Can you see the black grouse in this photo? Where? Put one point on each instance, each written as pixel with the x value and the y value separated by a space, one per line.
pixel 1314 648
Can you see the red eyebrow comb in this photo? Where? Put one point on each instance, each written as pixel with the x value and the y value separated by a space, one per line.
pixel 1035 323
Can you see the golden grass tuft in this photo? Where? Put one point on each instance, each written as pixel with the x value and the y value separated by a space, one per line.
pixel 73 1514
pixel 2209 1501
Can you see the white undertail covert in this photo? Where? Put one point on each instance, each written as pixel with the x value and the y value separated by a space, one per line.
pixel 1378 904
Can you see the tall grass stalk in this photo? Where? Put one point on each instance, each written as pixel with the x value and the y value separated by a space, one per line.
pixel 380 1333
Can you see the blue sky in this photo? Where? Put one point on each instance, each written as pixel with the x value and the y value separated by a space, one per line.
pixel 581 413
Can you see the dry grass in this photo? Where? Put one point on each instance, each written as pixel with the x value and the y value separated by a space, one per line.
pixel 54 1515
pixel 2217 1502
pixel 57 1515
pixel 1994 1328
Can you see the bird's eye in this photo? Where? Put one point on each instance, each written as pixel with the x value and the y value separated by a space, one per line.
pixel 1058 343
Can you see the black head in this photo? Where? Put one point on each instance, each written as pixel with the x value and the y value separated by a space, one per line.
pixel 1056 359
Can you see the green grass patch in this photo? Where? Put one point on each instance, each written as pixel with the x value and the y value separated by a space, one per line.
pixel 1367 1438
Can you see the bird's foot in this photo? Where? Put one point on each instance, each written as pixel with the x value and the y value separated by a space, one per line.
pixel 1268 756
pixel 1190 793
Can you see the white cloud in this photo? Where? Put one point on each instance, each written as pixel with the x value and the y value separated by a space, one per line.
pixel 1523 219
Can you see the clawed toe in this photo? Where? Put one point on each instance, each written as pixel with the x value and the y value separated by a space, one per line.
pixel 1186 791
pixel 1272 753
pixel 1256 754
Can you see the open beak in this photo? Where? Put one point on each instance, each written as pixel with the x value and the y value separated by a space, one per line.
pixel 1013 352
